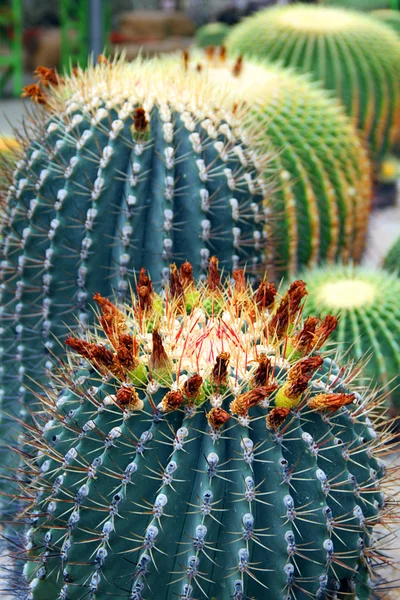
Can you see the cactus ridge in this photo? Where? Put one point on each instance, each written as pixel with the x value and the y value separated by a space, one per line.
pixel 178 476
pixel 369 309
pixel 353 55
pixel 391 18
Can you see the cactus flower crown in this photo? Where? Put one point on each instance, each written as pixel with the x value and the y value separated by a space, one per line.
pixel 198 445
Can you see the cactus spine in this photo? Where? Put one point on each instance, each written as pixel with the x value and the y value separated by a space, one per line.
pixel 351 54
pixel 369 308
pixel 203 459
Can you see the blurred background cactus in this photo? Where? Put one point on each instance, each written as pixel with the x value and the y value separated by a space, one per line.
pixel 204 453
pixel 391 18
pixel 352 54
pixel 211 34
pixel 367 303
pixel 392 258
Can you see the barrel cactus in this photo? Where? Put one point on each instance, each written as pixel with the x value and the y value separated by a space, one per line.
pixel 322 197
pixel 201 447
pixel 350 53
pixel 211 34
pixel 369 308
pixel 391 18
pixel 392 258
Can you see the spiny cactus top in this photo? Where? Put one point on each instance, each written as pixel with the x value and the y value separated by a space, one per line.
pixel 392 258
pixel 322 200
pixel 203 449
pixel 368 303
pixel 352 54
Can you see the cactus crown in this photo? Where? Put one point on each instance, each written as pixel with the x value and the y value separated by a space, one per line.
pixel 211 405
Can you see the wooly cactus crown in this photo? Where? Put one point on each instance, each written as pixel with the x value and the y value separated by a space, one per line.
pixel 392 258
pixel 369 308
pixel 351 54
pixel 203 449
pixel 324 176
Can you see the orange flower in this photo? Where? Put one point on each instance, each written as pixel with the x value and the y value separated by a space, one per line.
pixel 331 402
pixel 276 417
pixel 217 417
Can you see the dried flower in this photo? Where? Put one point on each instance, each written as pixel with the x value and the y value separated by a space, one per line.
pixel 217 417
pixel 238 67
pixel 47 76
pixel 219 374
pixel 35 93
pixel 192 387
pixel 331 402
pixel 144 290
pixel 288 310
pixel 128 398
pixel 186 275
pixel 213 280
pixel 159 359
pixel 263 372
pixel 139 119
pixel 276 417
pixel 240 405
pixel 172 401
pixel 265 295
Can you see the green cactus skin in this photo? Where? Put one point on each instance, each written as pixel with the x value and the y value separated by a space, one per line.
pixel 93 201
pixel 360 5
pixel 392 258
pixel 369 308
pixel 211 34
pixel 350 53
pixel 153 503
pixel 323 190
pixel 391 18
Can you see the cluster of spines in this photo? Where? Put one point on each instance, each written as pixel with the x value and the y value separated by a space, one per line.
pixel 280 498
pixel 392 258
pixel 363 73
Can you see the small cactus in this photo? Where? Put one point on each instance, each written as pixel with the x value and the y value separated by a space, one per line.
pixel 368 303
pixel 352 54
pixel 392 259
pixel 211 34
pixel 199 447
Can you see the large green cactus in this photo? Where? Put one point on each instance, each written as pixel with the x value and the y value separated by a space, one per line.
pixel 351 54
pixel 214 457
pixel 392 258
pixel 323 194
pixel 368 303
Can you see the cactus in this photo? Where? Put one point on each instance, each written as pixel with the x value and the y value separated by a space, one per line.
pixel 199 447
pixel 392 259
pixel 369 308
pixel 211 34
pixel 361 5
pixel 391 18
pixel 324 178
pixel 350 53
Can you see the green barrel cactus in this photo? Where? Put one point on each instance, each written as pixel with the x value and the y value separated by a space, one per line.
pixel 368 303
pixel 323 175
pixel 350 53
pixel 211 34
pixel 391 18
pixel 361 5
pixel 392 259
pixel 203 449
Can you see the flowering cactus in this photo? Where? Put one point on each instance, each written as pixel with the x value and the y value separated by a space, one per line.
pixel 200 446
